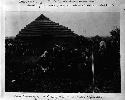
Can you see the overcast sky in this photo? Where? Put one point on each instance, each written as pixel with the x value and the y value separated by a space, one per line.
pixel 82 23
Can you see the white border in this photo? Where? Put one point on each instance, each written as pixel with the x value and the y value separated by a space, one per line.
pixel 68 96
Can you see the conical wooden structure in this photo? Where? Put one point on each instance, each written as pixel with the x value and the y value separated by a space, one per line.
pixel 43 26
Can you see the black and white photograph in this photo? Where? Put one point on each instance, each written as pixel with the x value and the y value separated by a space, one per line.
pixel 62 52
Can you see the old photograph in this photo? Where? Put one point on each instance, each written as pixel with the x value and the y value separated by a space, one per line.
pixel 62 52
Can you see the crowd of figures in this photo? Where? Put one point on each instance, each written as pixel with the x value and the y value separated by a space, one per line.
pixel 70 64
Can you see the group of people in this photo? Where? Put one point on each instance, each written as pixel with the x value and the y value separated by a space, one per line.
pixel 62 61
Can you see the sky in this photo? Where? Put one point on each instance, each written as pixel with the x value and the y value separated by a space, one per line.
pixel 82 23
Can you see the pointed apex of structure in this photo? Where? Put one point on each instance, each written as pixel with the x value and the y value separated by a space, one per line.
pixel 41 17
pixel 43 26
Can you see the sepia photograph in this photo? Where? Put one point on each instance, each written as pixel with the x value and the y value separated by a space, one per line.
pixel 62 52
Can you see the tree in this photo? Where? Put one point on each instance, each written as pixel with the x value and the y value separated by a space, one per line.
pixel 115 33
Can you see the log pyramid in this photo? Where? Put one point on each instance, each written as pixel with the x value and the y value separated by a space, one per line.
pixel 43 26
